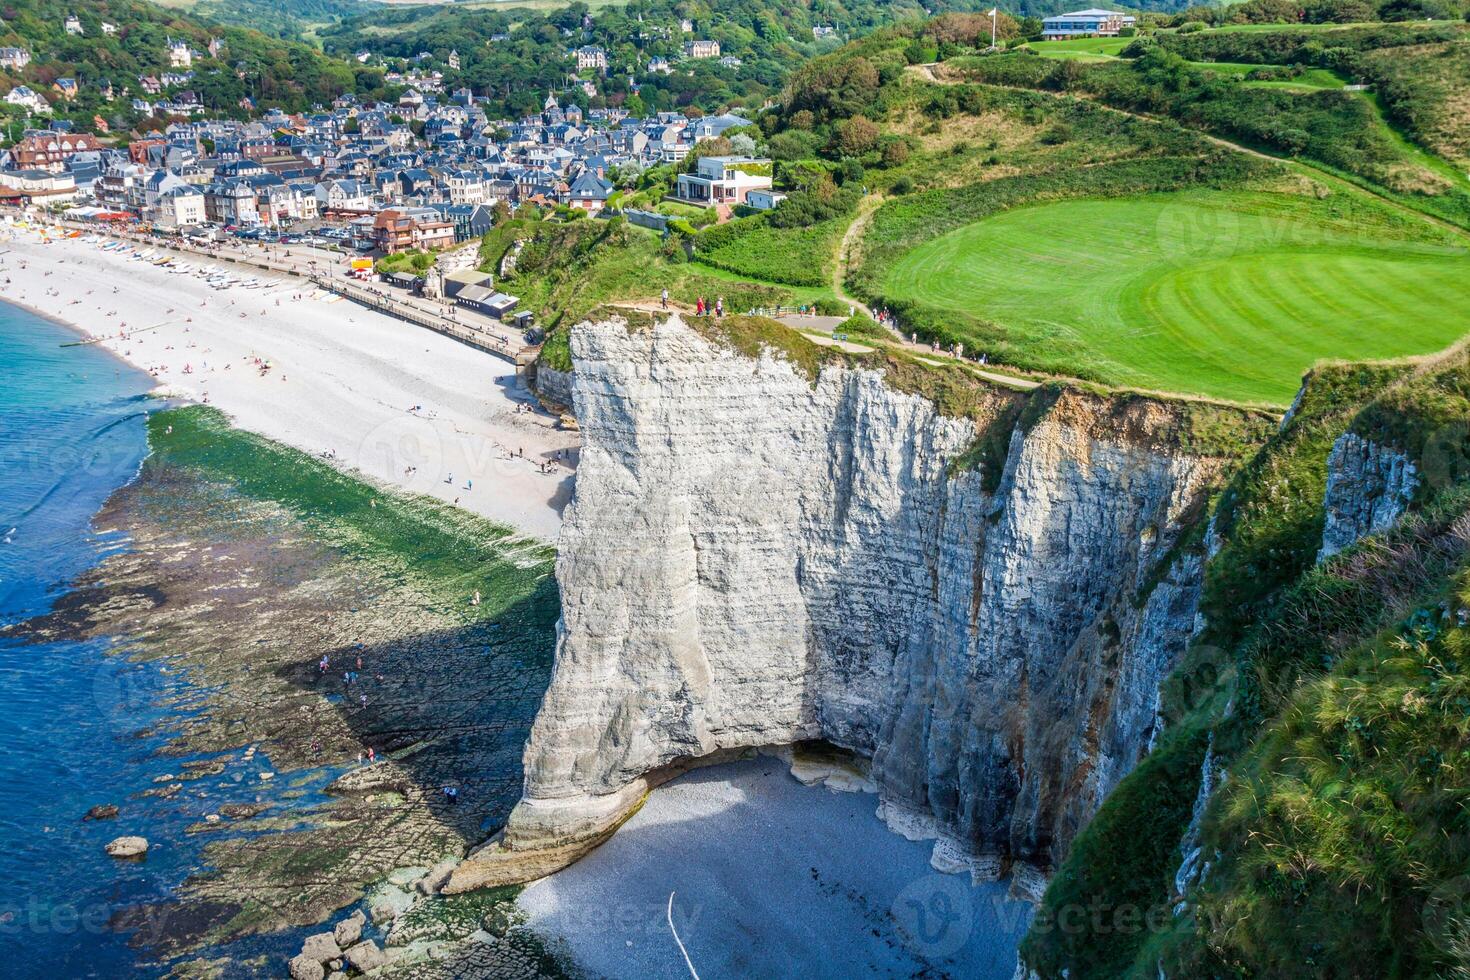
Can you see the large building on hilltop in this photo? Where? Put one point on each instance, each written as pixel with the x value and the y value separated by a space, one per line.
pixel 1086 23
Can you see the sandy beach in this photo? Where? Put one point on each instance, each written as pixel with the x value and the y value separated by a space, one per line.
pixel 395 401
pixel 771 878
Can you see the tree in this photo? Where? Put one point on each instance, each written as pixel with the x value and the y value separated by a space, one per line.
pixel 856 136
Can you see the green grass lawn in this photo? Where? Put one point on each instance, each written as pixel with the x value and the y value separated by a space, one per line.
pixel 1082 47
pixel 1230 295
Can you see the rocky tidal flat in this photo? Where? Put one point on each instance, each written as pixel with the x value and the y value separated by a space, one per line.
pixel 342 675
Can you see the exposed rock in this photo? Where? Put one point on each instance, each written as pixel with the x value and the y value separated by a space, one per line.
pixel 128 847
pixel 349 930
pixel 554 386
pixel 751 559
pixel 384 912
pixel 242 811
pixel 102 811
pixel 430 883
pixel 303 967
pixel 321 946
pixel 1368 489
pixel 366 956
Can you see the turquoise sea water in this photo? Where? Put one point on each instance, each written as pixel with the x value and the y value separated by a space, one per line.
pixel 71 432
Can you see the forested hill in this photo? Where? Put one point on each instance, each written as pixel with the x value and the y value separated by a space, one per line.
pixel 770 39
pixel 266 69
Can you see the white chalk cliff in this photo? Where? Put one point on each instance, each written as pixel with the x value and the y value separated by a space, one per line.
pixel 752 558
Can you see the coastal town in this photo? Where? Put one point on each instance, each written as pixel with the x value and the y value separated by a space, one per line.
pixel 335 191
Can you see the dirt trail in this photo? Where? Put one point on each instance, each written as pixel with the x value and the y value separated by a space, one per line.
pixel 866 207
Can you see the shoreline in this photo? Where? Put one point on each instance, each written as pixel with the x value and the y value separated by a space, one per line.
pixel 478 439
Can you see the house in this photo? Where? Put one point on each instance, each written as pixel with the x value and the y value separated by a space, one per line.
pixel 65 87
pixel 702 49
pixel 591 57
pixel 763 199
pixel 344 195
pixel 465 186
pixel 180 53
pixel 589 192
pixel 73 26
pixel 722 180
pixel 469 220
pixel 178 207
pixel 39 187
pixel 216 45
pixel 22 95
pixel 1086 23
pixel 16 58
pixel 231 202
pixel 398 231
pixel 109 30
pixel 823 30
pixel 659 66
pixel 713 127
pixel 730 61
pixel 49 150
pixel 686 25
pixel 151 85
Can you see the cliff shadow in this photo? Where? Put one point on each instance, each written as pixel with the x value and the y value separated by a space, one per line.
pixel 441 708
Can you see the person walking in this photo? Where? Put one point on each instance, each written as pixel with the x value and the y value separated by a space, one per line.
pixel 664 298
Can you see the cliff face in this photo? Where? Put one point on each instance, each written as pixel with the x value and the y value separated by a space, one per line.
pixel 1368 489
pixel 753 559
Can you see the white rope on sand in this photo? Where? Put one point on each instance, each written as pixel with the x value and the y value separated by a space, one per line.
pixel 687 961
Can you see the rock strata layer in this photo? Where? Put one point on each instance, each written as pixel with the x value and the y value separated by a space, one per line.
pixel 753 558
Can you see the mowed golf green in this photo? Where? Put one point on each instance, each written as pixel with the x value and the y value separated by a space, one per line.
pixel 1223 294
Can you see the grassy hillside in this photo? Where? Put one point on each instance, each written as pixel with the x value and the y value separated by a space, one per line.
pixel 1336 696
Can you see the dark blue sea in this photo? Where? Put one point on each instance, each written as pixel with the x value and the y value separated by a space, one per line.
pixel 72 430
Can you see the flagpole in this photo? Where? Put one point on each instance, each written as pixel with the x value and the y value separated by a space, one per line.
pixel 992 25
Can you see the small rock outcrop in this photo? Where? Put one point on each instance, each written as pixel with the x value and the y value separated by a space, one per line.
pixel 366 956
pixel 128 847
pixel 1368 488
pixel 321 946
pixel 303 967
pixel 102 811
pixel 349 930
